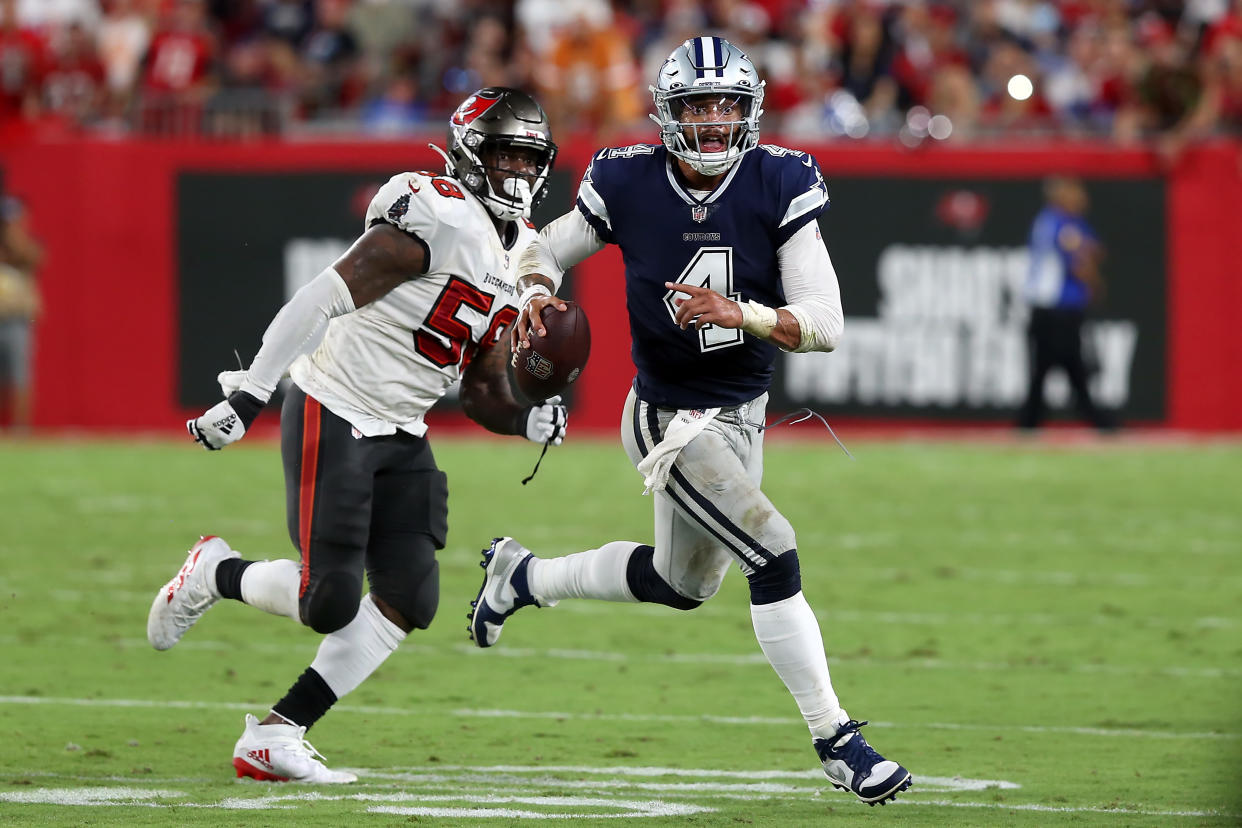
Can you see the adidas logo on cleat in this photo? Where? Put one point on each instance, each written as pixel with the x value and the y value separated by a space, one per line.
pixel 263 757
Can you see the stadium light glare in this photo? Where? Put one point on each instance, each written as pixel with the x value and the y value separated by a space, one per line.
pixel 1020 87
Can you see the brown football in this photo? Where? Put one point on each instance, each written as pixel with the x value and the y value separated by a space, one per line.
pixel 555 360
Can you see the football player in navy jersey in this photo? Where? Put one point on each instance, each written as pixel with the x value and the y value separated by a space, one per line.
pixel 724 266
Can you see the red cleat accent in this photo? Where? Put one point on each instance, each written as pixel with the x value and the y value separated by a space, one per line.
pixel 244 769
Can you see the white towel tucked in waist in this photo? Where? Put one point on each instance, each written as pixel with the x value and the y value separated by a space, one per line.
pixel 683 428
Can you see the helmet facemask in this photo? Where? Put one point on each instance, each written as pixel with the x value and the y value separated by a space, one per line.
pixel 489 134
pixel 498 174
pixel 708 97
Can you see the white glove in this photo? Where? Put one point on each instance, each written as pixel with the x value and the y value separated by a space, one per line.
pixel 225 422
pixel 230 381
pixel 547 423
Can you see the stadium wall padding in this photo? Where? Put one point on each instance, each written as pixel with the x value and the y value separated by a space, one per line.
pixel 164 257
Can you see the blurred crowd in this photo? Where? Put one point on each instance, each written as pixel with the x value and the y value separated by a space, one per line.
pixel 912 70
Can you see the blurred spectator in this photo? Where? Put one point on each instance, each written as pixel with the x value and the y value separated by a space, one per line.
pixel 487 52
pixel 1014 89
pixel 926 47
pixel 682 20
pixel 74 81
pixel 20 255
pixel 864 66
pixel 21 65
pixel 1169 87
pixel 259 77
pixel 1072 82
pixel 748 25
pixel 588 79
pixel 122 37
pixel 178 74
pixel 397 111
pixel 1223 79
pixel 50 15
pixel 289 20
pixel 1157 71
pixel 331 61
pixel 1064 280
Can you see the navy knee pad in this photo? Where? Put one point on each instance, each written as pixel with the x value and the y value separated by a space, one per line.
pixel 331 601
pixel 778 579
pixel 647 585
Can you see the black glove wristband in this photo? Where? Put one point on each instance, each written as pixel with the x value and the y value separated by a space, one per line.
pixel 247 407
pixel 521 419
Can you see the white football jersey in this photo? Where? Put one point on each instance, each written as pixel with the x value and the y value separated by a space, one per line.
pixel 384 365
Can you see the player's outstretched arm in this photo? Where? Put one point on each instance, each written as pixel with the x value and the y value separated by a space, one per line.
pixel 382 258
pixel 487 398
pixel 562 244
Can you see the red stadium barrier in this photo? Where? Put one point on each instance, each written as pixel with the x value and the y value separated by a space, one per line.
pixel 115 217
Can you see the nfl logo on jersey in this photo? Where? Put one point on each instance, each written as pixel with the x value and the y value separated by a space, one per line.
pixel 699 213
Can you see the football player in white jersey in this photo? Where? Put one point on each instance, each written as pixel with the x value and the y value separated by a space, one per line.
pixel 423 298
pixel 738 220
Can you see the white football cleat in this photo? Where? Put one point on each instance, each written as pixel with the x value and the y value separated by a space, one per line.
pixel 504 590
pixel 853 765
pixel 191 592
pixel 280 753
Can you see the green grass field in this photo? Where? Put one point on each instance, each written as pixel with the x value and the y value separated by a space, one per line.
pixel 1043 632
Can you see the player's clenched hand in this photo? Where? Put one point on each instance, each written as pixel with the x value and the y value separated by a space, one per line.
pixel 547 422
pixel 704 307
pixel 530 320
pixel 226 422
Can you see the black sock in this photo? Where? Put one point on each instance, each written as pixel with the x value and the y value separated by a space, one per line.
pixel 228 577
pixel 307 700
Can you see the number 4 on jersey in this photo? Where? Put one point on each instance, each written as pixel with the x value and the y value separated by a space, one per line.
pixel 712 268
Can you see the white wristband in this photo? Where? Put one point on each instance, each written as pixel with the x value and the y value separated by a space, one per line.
pixel 531 292
pixel 757 320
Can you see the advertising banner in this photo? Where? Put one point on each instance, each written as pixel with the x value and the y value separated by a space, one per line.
pixel 931 274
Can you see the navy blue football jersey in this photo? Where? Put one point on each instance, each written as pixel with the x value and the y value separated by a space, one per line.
pixel 726 242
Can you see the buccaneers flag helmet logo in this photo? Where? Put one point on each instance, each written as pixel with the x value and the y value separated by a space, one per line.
pixel 473 107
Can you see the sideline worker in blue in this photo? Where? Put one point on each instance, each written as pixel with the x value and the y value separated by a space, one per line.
pixel 1063 280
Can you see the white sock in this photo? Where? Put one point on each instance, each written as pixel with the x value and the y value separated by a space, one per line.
pixel 595 573
pixel 789 636
pixel 272 586
pixel 347 656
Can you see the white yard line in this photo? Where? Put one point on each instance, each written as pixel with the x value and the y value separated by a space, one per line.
pixel 481 804
pixel 1061 809
pixel 623 717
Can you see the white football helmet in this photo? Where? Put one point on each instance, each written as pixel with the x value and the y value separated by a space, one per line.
pixel 499 116
pixel 703 66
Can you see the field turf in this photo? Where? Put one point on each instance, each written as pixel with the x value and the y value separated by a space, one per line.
pixel 1045 632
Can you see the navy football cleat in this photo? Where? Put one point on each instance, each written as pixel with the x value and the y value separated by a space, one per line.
pixel 503 592
pixel 853 765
